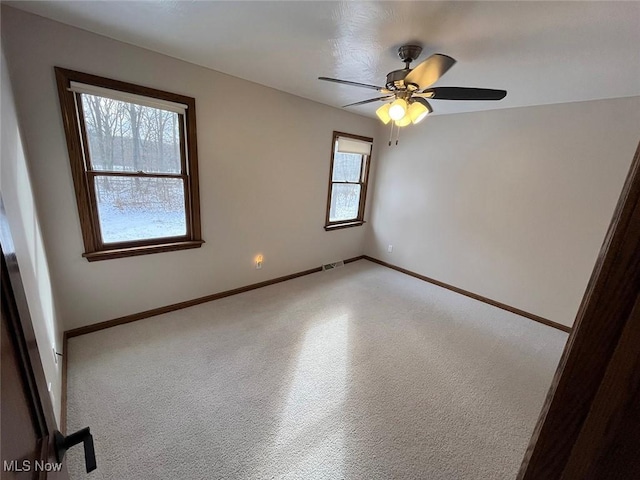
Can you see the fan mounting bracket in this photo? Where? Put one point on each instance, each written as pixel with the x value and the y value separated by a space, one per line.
pixel 408 53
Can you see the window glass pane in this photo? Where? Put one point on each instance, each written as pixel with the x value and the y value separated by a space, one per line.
pixel 345 202
pixel 346 167
pixel 125 137
pixel 134 208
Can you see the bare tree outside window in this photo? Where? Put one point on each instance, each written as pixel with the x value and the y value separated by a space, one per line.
pixel 347 185
pixel 138 164
pixel 345 194
pixel 125 137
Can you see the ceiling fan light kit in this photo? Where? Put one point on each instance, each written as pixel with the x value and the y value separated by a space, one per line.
pixel 398 109
pixel 404 121
pixel 417 112
pixel 402 114
pixel 383 113
pixel 406 90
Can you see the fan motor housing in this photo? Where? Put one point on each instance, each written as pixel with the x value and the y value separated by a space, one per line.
pixel 395 81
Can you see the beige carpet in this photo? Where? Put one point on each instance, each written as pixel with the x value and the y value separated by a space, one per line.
pixel 358 373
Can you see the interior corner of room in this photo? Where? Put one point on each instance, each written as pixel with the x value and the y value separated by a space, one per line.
pixel 505 207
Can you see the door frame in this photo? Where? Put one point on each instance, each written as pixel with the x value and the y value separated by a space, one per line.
pixel 589 398
pixel 21 329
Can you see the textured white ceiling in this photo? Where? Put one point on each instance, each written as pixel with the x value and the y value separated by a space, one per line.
pixel 540 52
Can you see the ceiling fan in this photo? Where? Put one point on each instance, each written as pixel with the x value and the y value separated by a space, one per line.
pixel 409 88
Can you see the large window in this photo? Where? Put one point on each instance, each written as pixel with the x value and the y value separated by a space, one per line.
pixel 134 165
pixel 350 158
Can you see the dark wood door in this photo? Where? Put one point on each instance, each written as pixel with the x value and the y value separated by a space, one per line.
pixel 27 420
pixel 589 428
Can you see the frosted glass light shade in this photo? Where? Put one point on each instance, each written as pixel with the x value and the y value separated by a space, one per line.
pixel 398 109
pixel 417 112
pixel 404 121
pixel 383 113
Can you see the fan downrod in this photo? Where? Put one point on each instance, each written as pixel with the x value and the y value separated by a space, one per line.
pixel 395 79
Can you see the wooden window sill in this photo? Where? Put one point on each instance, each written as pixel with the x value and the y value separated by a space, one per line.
pixel 338 226
pixel 143 250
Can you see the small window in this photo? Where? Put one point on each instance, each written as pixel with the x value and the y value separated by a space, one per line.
pixel 350 158
pixel 134 165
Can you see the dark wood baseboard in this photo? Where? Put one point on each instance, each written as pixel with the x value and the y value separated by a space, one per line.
pixel 74 332
pixel 475 296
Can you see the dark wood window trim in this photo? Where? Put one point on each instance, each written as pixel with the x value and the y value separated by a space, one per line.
pixel 339 225
pixel 73 122
pixel 364 179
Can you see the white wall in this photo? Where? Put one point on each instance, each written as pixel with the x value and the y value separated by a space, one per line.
pixel 17 195
pixel 263 175
pixel 511 204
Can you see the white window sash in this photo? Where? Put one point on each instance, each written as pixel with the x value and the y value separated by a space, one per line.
pixel 128 97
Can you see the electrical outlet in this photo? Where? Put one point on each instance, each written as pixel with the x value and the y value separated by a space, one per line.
pixel 259 260
pixel 390 248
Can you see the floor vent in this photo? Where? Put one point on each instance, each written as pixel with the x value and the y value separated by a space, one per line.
pixel 331 266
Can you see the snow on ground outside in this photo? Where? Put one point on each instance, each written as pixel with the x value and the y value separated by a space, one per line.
pixel 120 225
pixel 126 225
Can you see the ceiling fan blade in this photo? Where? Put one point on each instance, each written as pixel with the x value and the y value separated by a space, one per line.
pixel 353 84
pixel 429 71
pixel 371 100
pixel 463 93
